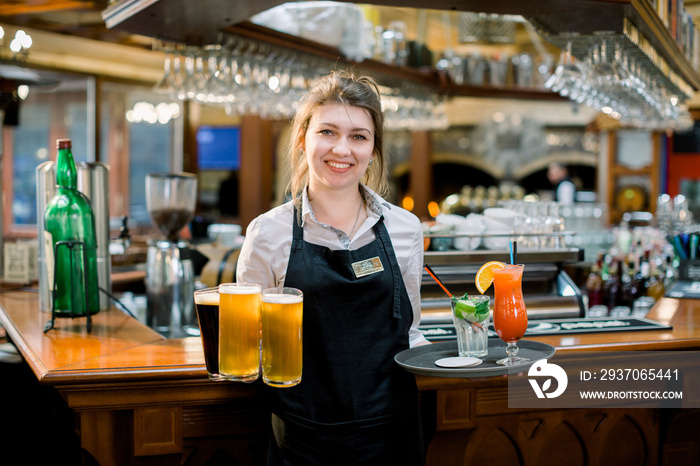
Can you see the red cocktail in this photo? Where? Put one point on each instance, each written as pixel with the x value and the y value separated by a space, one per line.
pixel 509 313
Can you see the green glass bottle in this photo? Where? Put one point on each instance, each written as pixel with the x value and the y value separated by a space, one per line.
pixel 69 217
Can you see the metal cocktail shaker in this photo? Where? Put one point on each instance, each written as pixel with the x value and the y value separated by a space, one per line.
pixel 93 181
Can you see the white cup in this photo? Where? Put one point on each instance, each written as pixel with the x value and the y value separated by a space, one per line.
pixel 499 214
pixel 225 234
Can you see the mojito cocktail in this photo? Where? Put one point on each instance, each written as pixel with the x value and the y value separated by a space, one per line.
pixel 470 315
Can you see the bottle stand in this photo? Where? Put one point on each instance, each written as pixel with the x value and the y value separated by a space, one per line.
pixel 70 245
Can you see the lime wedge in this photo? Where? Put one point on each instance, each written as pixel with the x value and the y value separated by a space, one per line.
pixel 464 309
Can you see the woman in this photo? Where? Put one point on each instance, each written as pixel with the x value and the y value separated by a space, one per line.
pixel 358 261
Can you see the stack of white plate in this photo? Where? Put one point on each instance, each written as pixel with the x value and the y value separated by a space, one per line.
pixel 472 224
pixel 498 221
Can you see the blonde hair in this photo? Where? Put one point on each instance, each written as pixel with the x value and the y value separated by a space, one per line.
pixel 339 87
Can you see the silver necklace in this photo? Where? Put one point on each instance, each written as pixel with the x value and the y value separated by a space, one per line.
pixel 356 219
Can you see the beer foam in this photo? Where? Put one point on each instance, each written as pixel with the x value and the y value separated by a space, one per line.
pixel 239 289
pixel 207 299
pixel 282 299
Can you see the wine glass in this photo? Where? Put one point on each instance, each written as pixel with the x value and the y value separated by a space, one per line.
pixel 568 75
pixel 509 313
pixel 164 86
pixel 177 77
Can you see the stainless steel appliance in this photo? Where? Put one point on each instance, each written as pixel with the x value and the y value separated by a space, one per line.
pixel 93 181
pixel 548 290
pixel 171 200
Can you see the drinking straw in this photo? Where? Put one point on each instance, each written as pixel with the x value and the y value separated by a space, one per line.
pixel 513 252
pixel 678 246
pixel 437 280
pixel 685 241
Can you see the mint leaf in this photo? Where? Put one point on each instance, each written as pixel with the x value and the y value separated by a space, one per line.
pixel 482 307
pixel 468 309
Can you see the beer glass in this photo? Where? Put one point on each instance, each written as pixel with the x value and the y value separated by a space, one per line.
pixel 239 331
pixel 282 316
pixel 206 303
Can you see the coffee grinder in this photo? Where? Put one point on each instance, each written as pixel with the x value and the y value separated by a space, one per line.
pixel 170 199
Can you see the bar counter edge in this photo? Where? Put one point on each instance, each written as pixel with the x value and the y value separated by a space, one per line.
pixel 124 377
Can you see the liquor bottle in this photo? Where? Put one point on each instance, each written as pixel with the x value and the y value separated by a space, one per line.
pixel 594 285
pixel 606 259
pixel 605 275
pixel 655 285
pixel 69 217
pixel 630 286
pixel 644 274
pixel 670 275
pixel 613 285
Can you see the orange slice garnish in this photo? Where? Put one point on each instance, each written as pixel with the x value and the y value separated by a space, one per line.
pixel 484 277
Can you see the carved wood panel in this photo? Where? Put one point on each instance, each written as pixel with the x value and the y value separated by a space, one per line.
pixel 157 430
pixel 572 437
pixel 226 433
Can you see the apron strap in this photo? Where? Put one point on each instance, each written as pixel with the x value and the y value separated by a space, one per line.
pixel 383 236
pixel 297 231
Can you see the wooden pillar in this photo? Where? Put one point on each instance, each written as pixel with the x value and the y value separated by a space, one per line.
pixel 255 174
pixel 192 121
pixel 614 216
pixel 94 118
pixel 420 183
pixel 655 170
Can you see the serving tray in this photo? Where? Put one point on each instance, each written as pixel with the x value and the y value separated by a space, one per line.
pixel 421 359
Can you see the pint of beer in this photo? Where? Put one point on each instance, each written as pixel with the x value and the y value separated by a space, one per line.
pixel 206 302
pixel 239 331
pixel 282 318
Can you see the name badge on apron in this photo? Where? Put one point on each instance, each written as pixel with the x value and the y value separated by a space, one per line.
pixel 367 267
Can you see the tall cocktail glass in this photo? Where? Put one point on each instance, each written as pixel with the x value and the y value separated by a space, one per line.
pixel 509 313
pixel 239 331
pixel 207 305
pixel 282 317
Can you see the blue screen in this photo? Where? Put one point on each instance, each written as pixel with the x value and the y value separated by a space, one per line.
pixel 219 147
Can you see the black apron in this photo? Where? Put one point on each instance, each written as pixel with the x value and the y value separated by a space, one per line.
pixel 354 404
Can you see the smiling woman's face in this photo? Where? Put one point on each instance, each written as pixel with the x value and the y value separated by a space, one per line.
pixel 339 143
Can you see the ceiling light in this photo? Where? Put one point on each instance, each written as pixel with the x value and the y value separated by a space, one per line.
pixel 18 48
pixel 23 91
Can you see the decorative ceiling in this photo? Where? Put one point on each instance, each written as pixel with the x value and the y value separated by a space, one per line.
pixel 83 18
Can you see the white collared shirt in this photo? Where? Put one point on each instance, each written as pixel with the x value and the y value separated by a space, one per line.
pixel 566 192
pixel 265 252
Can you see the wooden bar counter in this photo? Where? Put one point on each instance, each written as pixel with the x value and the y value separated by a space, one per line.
pixel 138 398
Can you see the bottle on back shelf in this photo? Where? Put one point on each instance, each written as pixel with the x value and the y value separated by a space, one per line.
pixel 612 286
pixel 670 275
pixel 631 286
pixel 69 217
pixel 644 273
pixel 594 284
pixel 655 285
pixel 605 270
